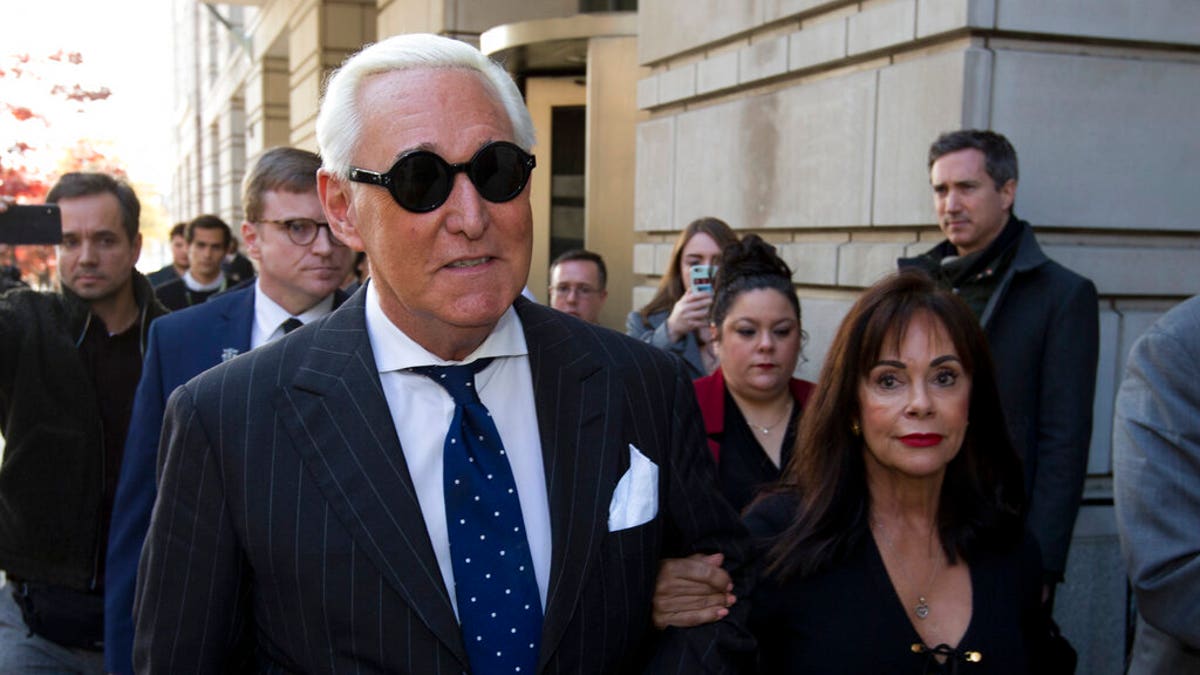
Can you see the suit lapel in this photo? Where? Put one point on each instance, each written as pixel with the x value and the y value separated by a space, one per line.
pixel 239 322
pixel 339 421
pixel 577 417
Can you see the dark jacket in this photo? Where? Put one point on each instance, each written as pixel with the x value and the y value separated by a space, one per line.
pixel 302 519
pixel 162 275
pixel 710 395
pixel 1042 323
pixel 52 475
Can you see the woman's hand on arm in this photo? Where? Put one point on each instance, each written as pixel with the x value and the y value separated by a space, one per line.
pixel 692 591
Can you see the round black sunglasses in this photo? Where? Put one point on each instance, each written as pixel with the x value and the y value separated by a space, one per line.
pixel 421 181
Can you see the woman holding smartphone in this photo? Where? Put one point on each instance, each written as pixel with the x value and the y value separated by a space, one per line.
pixel 676 319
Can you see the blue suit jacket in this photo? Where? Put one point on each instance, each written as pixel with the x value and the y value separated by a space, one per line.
pixel 182 345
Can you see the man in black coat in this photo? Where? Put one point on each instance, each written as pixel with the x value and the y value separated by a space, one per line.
pixel 1041 319
pixel 69 364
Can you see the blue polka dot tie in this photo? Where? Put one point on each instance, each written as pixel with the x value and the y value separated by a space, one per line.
pixel 497 593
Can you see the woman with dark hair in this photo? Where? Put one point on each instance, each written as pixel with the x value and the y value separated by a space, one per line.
pixel 895 543
pixel 676 318
pixel 751 403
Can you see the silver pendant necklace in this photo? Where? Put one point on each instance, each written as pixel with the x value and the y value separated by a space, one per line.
pixel 766 431
pixel 921 610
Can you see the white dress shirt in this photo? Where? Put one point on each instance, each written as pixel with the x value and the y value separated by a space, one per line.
pixel 269 316
pixel 422 411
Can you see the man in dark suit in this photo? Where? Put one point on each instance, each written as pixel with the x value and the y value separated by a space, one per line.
pixel 309 490
pixel 302 267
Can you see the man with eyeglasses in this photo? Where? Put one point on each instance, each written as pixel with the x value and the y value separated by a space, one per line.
pixel 440 476
pixel 577 284
pixel 301 266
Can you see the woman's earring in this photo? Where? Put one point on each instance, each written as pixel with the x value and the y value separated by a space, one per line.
pixel 855 429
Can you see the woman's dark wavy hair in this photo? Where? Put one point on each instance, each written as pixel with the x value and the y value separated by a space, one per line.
pixel 750 265
pixel 670 287
pixel 982 495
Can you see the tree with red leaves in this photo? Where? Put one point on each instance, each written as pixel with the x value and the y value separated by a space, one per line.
pixel 37 90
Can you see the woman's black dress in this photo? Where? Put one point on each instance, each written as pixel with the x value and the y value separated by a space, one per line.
pixel 848 619
pixel 745 469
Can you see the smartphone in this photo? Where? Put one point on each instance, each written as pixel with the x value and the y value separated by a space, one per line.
pixel 702 277
pixel 31 224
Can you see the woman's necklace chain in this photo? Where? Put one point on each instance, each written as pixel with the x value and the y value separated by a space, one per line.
pixel 766 430
pixel 921 609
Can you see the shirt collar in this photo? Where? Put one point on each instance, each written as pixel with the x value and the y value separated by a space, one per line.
pixel 268 315
pixel 396 351
pixel 194 285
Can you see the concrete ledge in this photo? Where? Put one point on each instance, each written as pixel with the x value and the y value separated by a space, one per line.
pixel 778 9
pixel 677 84
pixel 819 317
pixel 941 16
pixel 817 44
pixel 717 72
pixel 642 295
pixel 862 264
pixel 643 259
pixel 669 27
pixel 812 263
pixel 662 258
pixel 1176 21
pixel 647 92
pixel 763 59
pixel 1133 270
pixel 881 27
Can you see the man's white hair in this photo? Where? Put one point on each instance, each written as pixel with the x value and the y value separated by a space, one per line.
pixel 339 122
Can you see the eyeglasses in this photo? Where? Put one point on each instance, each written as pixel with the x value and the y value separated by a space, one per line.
pixel 303 231
pixel 582 291
pixel 421 181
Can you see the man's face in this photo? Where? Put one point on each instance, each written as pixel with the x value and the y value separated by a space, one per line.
pixel 575 289
pixel 96 257
pixel 970 210
pixel 179 251
pixel 444 277
pixel 297 277
pixel 205 253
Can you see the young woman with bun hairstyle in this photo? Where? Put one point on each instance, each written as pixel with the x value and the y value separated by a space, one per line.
pixel 751 403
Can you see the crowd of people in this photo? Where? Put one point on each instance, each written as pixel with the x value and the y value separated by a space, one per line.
pixel 368 451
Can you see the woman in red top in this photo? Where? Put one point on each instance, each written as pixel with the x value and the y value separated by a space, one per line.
pixel 751 406
pixel 751 403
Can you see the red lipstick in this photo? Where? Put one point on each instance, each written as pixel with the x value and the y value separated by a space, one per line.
pixel 921 440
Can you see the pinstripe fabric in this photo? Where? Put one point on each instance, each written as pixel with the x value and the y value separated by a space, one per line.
pixel 286 509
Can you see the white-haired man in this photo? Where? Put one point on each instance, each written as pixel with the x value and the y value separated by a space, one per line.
pixel 440 476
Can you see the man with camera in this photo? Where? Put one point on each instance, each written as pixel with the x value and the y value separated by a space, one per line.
pixel 69 364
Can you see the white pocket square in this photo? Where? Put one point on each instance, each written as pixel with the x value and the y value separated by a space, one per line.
pixel 635 501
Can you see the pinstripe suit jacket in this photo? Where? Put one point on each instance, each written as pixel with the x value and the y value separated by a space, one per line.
pixel 286 508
